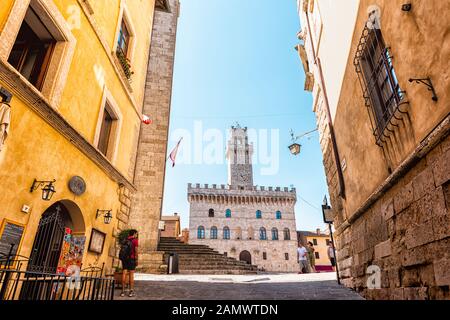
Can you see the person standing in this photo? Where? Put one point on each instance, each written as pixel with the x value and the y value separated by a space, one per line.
pixel 129 257
pixel 330 252
pixel 312 256
pixel 303 258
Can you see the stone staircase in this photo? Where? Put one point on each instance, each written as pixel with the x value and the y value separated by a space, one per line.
pixel 201 259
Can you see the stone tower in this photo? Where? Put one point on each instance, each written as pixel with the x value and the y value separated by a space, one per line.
pixel 151 158
pixel 239 157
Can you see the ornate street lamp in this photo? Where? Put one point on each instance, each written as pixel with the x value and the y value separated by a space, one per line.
pixel 295 147
pixel 48 189
pixel 107 215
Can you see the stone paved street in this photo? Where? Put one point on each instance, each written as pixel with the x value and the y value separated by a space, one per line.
pixel 319 286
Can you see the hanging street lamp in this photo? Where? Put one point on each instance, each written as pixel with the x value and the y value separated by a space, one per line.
pixel 295 147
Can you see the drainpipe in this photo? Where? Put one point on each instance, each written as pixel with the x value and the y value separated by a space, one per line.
pixel 327 105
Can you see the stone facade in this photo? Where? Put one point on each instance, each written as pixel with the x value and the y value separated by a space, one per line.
pixel 232 210
pixel 151 156
pixel 393 218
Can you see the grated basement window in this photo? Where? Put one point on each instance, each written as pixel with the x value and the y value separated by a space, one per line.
pixel 381 90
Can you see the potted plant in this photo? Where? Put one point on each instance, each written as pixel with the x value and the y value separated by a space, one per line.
pixel 123 235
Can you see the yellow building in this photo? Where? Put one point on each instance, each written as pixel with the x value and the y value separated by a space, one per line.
pixel 320 242
pixel 76 70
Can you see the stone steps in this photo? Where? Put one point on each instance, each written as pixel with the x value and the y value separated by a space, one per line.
pixel 201 259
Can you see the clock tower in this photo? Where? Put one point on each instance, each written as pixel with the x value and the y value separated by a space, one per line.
pixel 239 157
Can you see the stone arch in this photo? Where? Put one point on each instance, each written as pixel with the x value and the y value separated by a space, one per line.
pixel 61 218
pixel 245 256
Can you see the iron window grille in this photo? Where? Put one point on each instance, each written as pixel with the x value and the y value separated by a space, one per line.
pixel 381 90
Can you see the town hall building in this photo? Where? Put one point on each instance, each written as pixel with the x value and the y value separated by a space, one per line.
pixel 250 223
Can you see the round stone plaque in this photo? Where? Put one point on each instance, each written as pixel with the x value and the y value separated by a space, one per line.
pixel 77 185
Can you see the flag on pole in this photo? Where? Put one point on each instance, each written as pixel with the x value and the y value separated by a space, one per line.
pixel 173 154
pixel 146 119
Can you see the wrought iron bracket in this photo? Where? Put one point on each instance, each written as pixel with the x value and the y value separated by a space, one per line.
pixel 429 84
pixel 37 183
pixel 100 212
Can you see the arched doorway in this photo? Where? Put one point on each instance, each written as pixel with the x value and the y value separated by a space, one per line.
pixel 57 225
pixel 245 256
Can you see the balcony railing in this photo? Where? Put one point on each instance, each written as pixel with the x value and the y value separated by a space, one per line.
pixel 124 63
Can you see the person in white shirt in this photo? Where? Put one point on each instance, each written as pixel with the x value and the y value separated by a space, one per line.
pixel 330 252
pixel 303 259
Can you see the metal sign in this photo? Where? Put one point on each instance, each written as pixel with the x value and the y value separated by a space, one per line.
pixel 328 214
pixel 77 185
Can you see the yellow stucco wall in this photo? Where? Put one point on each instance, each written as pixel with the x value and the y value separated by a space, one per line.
pixel 425 29
pixel 36 150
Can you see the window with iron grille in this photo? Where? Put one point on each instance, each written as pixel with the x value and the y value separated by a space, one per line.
pixel 381 90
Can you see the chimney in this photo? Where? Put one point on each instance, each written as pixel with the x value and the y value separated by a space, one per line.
pixel 318 231
pixel 175 214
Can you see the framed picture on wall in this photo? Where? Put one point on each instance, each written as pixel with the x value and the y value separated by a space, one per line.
pixel 97 241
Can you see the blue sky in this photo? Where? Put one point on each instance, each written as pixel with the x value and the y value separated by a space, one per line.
pixel 235 61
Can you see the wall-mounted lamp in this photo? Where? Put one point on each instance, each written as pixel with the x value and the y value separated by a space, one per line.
pixel 406 7
pixel 48 189
pixel 107 215
pixel 429 84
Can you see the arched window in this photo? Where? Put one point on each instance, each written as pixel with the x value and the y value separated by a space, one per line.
pixel 213 233
pixel 201 232
pixel 226 233
pixel 274 234
pixel 228 213
pixel 258 214
pixel 278 215
pixel 287 234
pixel 211 213
pixel 262 234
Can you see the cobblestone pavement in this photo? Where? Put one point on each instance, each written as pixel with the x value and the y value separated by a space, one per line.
pixel 319 286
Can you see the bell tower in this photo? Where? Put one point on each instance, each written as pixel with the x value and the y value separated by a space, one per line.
pixel 239 157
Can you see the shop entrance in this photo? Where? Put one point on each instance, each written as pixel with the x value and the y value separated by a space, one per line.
pixel 54 235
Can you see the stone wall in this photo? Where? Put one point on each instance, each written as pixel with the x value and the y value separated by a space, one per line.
pixel 152 148
pixel 406 234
